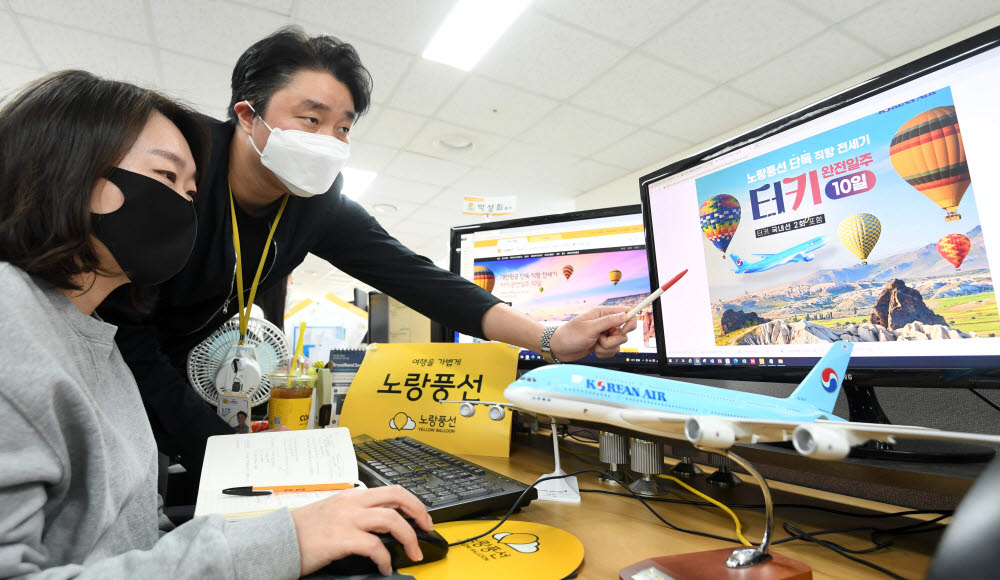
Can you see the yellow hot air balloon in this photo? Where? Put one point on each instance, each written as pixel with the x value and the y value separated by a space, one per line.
pixel 615 276
pixel 927 152
pixel 483 277
pixel 859 233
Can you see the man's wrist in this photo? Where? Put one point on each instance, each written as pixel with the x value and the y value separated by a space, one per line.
pixel 546 344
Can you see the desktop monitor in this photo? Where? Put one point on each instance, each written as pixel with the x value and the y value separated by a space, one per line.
pixel 556 267
pixel 871 216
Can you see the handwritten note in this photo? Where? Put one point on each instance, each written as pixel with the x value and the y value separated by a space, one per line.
pixel 273 458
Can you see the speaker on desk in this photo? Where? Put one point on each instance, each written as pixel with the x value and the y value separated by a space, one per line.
pixel 361 299
pixel 389 320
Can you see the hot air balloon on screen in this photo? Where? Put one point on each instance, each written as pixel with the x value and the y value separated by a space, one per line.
pixel 859 233
pixel 927 152
pixel 615 276
pixel 954 248
pixel 483 277
pixel 541 289
pixel 720 216
pixel 567 271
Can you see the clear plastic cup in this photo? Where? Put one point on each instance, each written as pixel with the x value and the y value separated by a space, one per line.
pixel 291 399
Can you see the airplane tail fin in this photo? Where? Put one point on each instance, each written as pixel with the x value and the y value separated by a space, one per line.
pixel 736 260
pixel 822 385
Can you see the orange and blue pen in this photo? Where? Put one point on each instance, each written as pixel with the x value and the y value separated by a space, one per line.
pixel 269 489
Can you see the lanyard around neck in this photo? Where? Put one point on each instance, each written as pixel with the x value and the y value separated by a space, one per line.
pixel 245 309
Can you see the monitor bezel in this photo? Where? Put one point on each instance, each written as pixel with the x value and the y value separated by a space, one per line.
pixel 454 264
pixel 863 376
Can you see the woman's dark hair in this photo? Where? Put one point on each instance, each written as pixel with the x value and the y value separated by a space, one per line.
pixel 58 136
pixel 268 65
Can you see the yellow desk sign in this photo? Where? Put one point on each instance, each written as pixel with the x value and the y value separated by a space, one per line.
pixel 397 391
pixel 518 550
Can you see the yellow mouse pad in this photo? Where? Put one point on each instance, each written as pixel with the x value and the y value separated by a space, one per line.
pixel 521 550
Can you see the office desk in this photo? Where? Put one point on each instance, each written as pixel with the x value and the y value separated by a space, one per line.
pixel 617 531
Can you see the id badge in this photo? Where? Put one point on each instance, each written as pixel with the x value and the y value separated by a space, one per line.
pixel 234 408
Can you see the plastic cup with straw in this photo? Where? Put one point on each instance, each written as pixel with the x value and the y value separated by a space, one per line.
pixel 291 393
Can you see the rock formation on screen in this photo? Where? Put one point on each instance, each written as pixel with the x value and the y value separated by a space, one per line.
pixel 899 305
pixel 802 332
pixel 736 319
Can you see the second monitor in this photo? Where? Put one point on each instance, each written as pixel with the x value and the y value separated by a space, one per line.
pixel 553 268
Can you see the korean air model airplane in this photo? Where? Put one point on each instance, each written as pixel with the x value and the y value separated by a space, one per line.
pixel 709 417
pixel 799 253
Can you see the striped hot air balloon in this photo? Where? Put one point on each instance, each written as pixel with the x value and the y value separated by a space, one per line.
pixel 720 216
pixel 615 276
pixel 567 271
pixel 859 233
pixel 928 153
pixel 954 248
pixel 483 277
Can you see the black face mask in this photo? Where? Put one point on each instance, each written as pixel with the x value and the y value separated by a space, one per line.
pixel 152 234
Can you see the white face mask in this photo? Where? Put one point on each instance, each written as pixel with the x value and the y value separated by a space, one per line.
pixel 306 163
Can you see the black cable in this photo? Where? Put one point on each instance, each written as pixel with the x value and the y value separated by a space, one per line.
pixel 799 535
pixel 796 534
pixel 642 500
pixel 573 435
pixel 835 511
pixel 920 527
pixel 984 398
pixel 914 528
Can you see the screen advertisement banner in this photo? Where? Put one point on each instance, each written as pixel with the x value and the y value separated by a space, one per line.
pixel 867 232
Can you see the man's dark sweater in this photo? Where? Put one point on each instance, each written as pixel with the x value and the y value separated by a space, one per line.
pixel 202 296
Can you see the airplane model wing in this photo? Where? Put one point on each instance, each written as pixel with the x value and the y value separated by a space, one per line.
pixel 710 431
pixel 820 439
pixel 823 439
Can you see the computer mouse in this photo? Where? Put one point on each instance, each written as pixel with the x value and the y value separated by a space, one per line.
pixel 432 544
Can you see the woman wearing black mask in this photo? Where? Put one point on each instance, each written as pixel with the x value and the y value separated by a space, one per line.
pixel 96 182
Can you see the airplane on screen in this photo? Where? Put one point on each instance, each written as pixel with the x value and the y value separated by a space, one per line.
pixel 799 253
pixel 711 418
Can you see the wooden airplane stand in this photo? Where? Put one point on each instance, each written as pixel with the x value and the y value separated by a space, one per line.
pixel 711 565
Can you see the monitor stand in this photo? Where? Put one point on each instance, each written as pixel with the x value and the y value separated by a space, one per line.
pixel 863 407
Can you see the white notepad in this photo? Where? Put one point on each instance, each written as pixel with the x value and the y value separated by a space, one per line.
pixel 273 458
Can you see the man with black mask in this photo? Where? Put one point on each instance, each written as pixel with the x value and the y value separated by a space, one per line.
pixel 274 181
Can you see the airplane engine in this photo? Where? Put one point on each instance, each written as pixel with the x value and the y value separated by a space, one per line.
pixel 820 443
pixel 497 413
pixel 808 258
pixel 710 432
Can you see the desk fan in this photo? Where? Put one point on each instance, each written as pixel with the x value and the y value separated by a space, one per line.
pixel 219 361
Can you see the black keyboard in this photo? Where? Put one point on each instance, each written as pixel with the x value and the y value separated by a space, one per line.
pixel 451 488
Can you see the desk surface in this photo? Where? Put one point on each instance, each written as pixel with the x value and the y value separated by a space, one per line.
pixel 618 531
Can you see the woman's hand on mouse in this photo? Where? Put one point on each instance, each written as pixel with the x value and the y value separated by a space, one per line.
pixel 346 524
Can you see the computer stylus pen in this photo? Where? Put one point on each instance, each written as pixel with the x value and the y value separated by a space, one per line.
pixel 649 299
pixel 269 489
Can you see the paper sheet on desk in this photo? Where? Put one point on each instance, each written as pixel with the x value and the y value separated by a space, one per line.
pixel 273 458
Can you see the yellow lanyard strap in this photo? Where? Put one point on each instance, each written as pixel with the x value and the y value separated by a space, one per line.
pixel 245 310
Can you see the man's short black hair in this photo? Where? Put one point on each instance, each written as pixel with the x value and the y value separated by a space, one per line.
pixel 268 65
pixel 238 413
